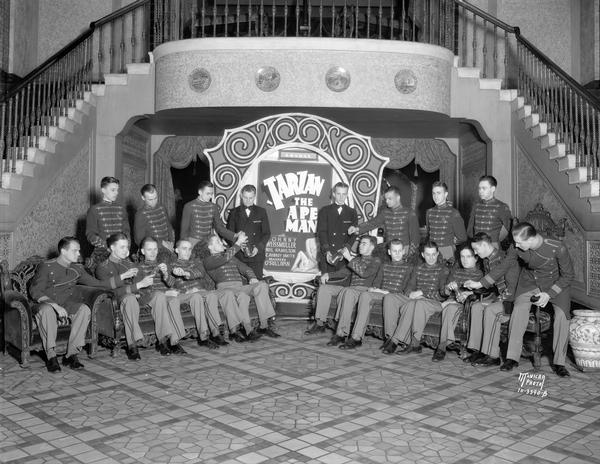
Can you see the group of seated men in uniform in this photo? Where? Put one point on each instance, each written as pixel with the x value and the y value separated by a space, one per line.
pixel 415 280
pixel 412 279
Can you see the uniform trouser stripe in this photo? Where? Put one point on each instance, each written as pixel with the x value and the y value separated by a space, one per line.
pixel 346 305
pixel 79 324
pixel 450 315
pixel 176 322
pixel 47 327
pixel 130 310
pixel 363 311
pixel 493 317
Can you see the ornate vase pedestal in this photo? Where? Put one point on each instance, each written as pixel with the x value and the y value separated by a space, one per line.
pixel 584 337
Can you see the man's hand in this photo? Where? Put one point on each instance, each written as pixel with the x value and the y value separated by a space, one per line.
pixel 543 300
pixel 179 272
pixel 241 238
pixel 352 230
pixel 253 252
pixel 167 245
pixel 347 255
pixel 145 282
pixel 462 296
pixel 329 257
pixel 61 312
pixel 129 273
pixel 162 267
pixel 253 281
pixel 417 294
pixel 472 284
pixel 324 278
pixel 452 286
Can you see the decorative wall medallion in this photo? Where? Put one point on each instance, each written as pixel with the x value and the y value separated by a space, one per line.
pixel 199 80
pixel 406 81
pixel 267 79
pixel 337 79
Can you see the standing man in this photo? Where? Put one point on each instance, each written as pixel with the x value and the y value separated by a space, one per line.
pixel 364 273
pixel 226 270
pixel 397 221
pixel 545 278
pixel 201 216
pixel 254 222
pixel 53 288
pixel 104 219
pixel 445 226
pixel 489 214
pixel 151 220
pixel 333 223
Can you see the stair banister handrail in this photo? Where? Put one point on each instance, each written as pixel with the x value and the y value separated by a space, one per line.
pixel 577 87
pixel 118 13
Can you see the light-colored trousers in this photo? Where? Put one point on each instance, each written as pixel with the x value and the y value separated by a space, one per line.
pixel 347 300
pixel 392 304
pixel 167 318
pixel 260 292
pixel 204 306
pixel 450 315
pixel 325 294
pixel 413 318
pixel 486 320
pixel 47 323
pixel 518 324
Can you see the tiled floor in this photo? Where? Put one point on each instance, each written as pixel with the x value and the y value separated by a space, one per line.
pixel 293 400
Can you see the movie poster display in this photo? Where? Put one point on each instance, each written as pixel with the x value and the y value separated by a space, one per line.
pixel 292 192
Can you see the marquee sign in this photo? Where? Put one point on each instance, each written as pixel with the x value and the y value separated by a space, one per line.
pixel 294 159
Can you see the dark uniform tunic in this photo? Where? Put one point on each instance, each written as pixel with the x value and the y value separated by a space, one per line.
pixel 398 223
pixel 198 220
pixel 445 226
pixel 332 232
pixel 103 220
pixel 254 222
pixel 489 216
pixel 396 275
pixel 153 222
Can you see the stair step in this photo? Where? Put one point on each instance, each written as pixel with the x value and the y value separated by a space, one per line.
pixel 138 68
pixel 508 95
pixel 490 84
pixel 13 181
pixel 524 111
pixel 557 150
pixel 589 189
pixel 520 102
pixel 469 72
pixel 76 115
pixel 540 130
pixel 578 175
pixel 89 97
pixel 47 144
pixel 115 79
pixel 532 120
pixel 83 107
pixel 37 156
pixel 595 204
pixel 548 140
pixel 55 133
pixel 98 89
pixel 24 168
pixel 4 197
pixel 66 124
pixel 567 162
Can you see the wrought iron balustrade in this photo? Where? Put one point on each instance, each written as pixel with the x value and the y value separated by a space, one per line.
pixel 127 35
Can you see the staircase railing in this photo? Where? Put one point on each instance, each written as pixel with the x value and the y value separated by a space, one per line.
pixel 127 35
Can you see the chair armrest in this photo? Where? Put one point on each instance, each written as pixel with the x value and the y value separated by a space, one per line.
pixel 89 295
pixel 18 319
pixel 10 297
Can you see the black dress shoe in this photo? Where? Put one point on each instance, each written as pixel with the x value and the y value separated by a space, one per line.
pixel 390 348
pixel 178 349
pixel 269 332
pixel 208 343
pixel 486 361
pixel 315 329
pixel 52 364
pixel 561 371
pixel 253 336
pixel 219 340
pixel 162 348
pixel 474 357
pixel 237 337
pixel 509 365
pixel 133 353
pixel 350 344
pixel 335 340
pixel 72 362
pixel 438 355
pixel 385 344
pixel 411 349
pixel 454 347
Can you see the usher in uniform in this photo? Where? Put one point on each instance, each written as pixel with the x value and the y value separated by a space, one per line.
pixel 333 222
pixel 489 216
pixel 254 222
pixel 446 227
pixel 198 220
pixel 226 270
pixel 55 282
pixel 153 222
pixel 396 275
pixel 103 220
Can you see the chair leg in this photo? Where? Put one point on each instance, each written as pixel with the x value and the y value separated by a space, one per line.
pixel 537 348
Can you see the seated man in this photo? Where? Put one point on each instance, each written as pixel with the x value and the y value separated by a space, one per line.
pixel 396 274
pixel 363 271
pixel 425 287
pixel 227 271
pixel 53 287
pixel 467 270
pixel 133 280
pixel 546 277
pixel 203 304
pixel 487 316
